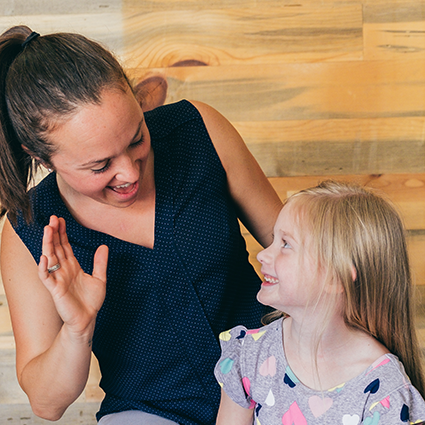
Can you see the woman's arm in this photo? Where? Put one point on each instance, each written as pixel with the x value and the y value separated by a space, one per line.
pixel 230 413
pixel 53 317
pixel 256 199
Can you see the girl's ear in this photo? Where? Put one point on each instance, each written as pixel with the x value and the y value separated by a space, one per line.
pixel 334 288
pixel 353 273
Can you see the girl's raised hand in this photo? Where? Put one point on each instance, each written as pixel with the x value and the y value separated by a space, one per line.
pixel 78 296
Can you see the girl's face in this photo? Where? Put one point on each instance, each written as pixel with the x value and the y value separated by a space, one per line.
pixel 291 275
pixel 103 151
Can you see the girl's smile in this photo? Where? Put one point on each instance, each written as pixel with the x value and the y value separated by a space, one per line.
pixel 290 273
pixel 270 281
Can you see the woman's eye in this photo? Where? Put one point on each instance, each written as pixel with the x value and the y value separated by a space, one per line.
pixel 103 169
pixel 139 142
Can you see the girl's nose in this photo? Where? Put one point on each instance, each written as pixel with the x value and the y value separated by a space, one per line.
pixel 264 255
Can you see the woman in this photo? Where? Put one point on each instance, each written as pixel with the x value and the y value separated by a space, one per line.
pixel 150 203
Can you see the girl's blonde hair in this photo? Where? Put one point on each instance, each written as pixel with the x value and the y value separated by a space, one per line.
pixel 355 232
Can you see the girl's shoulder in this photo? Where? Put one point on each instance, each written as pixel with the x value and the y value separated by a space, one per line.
pixel 252 344
pixel 389 392
pixel 242 335
pixel 244 352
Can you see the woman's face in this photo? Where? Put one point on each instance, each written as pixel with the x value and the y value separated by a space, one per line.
pixel 103 151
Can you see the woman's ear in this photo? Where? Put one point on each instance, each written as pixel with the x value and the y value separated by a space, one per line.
pixel 36 158
pixel 151 91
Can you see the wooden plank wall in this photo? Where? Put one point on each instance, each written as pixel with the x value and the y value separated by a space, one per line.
pixel 317 89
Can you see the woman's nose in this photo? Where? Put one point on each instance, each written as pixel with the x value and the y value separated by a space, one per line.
pixel 127 169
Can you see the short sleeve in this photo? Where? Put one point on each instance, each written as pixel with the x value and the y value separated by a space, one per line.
pixel 404 405
pixel 228 370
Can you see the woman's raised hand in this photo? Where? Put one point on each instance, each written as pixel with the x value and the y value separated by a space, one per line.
pixel 78 296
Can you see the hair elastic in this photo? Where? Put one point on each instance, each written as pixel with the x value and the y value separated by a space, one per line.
pixel 29 39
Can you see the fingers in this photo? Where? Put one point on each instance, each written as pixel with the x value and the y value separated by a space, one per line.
pixel 44 274
pixel 100 262
pixel 49 247
pixel 55 245
pixel 58 227
pixel 66 246
pixel 56 249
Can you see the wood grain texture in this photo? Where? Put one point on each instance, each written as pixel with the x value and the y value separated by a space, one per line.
pixel 231 36
pixel 336 146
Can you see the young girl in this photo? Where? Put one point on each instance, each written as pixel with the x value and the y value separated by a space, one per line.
pixel 338 268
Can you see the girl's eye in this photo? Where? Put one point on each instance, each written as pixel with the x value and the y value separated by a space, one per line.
pixel 285 244
pixel 103 169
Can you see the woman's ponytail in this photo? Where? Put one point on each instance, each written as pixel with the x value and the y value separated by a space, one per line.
pixel 15 163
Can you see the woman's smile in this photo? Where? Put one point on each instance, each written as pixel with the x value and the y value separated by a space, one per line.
pixel 104 152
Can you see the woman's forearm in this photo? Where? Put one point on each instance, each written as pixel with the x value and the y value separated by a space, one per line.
pixel 55 379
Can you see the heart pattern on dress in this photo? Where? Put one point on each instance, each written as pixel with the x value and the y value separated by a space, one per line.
pixel 225 336
pixel 373 387
pixel 350 420
pixel 268 367
pixel 319 405
pixel 241 335
pixel 372 421
pixel 404 414
pixel 294 416
pixel 226 365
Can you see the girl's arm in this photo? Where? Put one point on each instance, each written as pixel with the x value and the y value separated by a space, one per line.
pixel 230 413
pixel 256 199
pixel 53 317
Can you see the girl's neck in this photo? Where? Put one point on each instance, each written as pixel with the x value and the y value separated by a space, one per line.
pixel 341 354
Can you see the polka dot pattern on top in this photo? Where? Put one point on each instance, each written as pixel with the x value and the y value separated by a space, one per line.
pixel 156 335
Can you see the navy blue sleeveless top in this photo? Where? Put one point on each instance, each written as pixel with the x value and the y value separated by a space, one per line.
pixel 156 335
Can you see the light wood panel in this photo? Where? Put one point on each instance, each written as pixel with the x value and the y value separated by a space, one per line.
pixel 336 146
pixel 254 35
pixel 329 88
pixel 292 91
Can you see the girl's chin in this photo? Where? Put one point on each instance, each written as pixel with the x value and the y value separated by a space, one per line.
pixel 261 298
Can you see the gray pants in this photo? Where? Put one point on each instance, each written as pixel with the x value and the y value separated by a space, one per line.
pixel 134 417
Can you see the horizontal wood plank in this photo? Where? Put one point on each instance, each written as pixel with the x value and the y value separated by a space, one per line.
pixel 279 92
pixel 105 27
pixel 389 11
pixel 356 146
pixel 243 35
pixel 395 40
